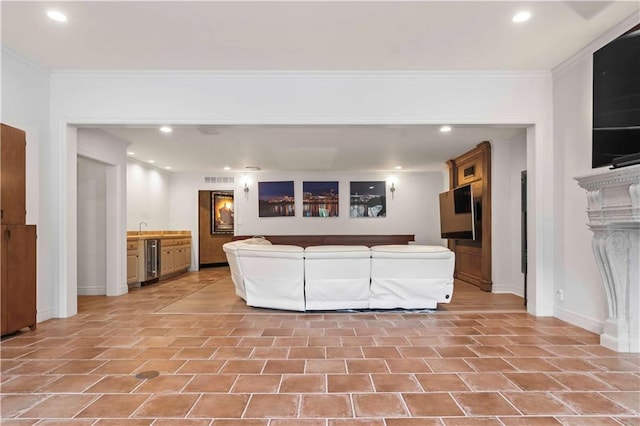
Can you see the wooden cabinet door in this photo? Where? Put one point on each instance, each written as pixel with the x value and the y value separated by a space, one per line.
pixel 18 282
pixel 187 256
pixel 167 260
pixel 132 268
pixel 12 175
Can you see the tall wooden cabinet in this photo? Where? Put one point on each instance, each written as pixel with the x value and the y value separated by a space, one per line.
pixel 13 144
pixel 18 240
pixel 473 258
pixel 18 277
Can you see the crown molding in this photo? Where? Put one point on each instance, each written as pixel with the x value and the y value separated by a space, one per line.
pixel 587 51
pixel 8 52
pixel 304 74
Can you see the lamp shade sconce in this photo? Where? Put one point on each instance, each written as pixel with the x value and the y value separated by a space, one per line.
pixel 246 191
pixel 392 189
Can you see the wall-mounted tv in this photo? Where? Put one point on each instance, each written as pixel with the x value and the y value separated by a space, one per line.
pixel 616 102
pixel 456 214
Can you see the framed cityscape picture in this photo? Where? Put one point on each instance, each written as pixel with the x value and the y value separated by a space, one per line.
pixel 320 199
pixel 222 212
pixel 368 199
pixel 276 199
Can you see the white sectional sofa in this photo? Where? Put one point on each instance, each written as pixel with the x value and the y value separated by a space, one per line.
pixel 273 276
pixel 337 277
pixel 411 276
pixel 231 251
pixel 340 277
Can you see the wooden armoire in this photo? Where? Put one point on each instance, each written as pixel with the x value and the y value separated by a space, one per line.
pixel 473 257
pixel 18 241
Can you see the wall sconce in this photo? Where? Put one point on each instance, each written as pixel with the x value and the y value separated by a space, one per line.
pixel 246 191
pixel 392 189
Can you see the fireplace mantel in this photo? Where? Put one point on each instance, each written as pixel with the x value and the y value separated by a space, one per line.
pixel 613 209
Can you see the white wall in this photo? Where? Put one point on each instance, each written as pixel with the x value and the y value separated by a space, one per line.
pixel 585 302
pixel 148 194
pixel 111 152
pixel 298 98
pixel 25 104
pixel 322 98
pixel 92 227
pixel 508 160
pixel 412 210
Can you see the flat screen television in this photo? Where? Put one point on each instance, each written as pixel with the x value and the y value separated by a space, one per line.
pixel 456 214
pixel 616 102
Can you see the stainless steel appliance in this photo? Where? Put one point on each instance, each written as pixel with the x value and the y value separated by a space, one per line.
pixel 151 261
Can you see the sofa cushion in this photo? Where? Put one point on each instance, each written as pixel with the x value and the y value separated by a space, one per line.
pixel 337 252
pixel 275 250
pixel 412 251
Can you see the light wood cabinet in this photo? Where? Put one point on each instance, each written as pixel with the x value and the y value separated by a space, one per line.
pixel 13 144
pixel 175 253
pixel 182 254
pixel 18 278
pixel 133 262
pixel 167 258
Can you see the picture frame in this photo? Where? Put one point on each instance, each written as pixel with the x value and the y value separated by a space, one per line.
pixel 320 199
pixel 222 208
pixel 276 199
pixel 368 199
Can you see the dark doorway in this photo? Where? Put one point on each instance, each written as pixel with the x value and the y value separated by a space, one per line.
pixel 523 230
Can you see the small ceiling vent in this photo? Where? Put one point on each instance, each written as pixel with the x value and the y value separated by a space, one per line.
pixel 219 179
pixel 252 168
pixel 207 130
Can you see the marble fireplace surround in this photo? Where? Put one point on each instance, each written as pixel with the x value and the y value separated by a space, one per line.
pixel 613 209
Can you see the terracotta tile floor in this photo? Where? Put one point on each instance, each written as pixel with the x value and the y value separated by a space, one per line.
pixel 482 361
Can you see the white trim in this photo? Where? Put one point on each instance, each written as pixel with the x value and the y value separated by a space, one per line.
pixel 605 38
pixel 507 289
pixel 25 61
pixel 92 290
pixel 303 74
pixel 45 314
pixel 579 320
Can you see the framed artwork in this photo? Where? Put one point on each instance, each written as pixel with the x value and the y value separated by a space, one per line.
pixel 222 212
pixel 275 199
pixel 320 199
pixel 368 199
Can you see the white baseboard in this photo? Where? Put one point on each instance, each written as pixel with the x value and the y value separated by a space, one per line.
pixel 499 289
pixel 579 320
pixel 92 290
pixel 44 314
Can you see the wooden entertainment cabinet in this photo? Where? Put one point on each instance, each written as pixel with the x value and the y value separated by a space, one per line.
pixel 18 241
pixel 473 257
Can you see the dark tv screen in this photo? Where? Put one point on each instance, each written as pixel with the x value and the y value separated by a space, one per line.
pixel 616 100
pixel 456 214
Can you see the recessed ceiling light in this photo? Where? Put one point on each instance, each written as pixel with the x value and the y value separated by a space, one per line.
pixel 445 129
pixel 168 167
pixel 131 153
pixel 521 16
pixel 57 16
pixel 152 161
pixel 166 129
pixel 398 167
pixel 227 168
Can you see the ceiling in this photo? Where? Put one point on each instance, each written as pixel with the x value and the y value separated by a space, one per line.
pixel 305 35
pixel 208 149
